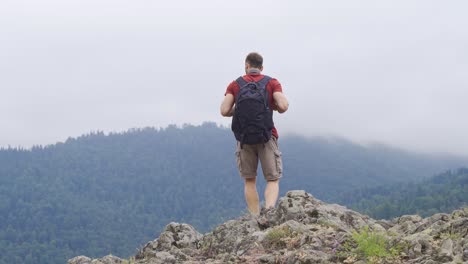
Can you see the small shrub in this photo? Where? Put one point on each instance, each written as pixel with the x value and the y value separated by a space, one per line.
pixel 314 213
pixel 277 237
pixel 370 244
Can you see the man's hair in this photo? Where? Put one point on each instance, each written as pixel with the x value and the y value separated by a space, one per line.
pixel 254 59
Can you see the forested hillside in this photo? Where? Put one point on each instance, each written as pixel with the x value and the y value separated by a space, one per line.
pixel 441 193
pixel 100 194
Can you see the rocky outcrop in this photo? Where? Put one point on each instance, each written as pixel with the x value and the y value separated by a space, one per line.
pixel 109 259
pixel 303 229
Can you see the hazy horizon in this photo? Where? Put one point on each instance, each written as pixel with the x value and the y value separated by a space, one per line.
pixel 391 72
pixel 328 138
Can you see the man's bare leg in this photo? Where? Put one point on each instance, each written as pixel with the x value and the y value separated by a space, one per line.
pixel 271 193
pixel 251 196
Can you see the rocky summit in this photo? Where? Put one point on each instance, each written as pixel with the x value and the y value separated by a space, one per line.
pixel 303 229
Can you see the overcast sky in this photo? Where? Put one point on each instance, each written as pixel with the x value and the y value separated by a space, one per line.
pixel 371 71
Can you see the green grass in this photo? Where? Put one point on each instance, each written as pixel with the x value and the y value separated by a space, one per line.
pixel 277 237
pixel 370 244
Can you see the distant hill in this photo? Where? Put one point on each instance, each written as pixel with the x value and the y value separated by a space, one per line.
pixel 329 167
pixel 441 193
pixel 68 199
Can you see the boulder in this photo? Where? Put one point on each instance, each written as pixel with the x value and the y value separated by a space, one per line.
pixel 176 240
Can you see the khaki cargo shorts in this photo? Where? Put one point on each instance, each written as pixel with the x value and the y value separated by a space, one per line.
pixel 270 158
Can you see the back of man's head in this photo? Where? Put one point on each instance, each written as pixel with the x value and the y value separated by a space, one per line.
pixel 255 60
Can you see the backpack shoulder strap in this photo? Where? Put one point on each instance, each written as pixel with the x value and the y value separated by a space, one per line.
pixel 264 81
pixel 262 85
pixel 241 82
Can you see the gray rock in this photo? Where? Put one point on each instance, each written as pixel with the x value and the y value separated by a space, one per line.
pixel 178 235
pixel 298 193
pixel 441 216
pixel 446 251
pixel 165 257
pixel 409 218
pixel 109 259
pixel 295 226
pixel 417 249
pixel 405 227
pixel 459 225
pixel 385 224
pixel 267 258
pixel 301 256
pixel 259 235
pixel 232 237
pixel 419 244
pixel 79 260
pixel 458 214
pixel 292 208
pixel 178 238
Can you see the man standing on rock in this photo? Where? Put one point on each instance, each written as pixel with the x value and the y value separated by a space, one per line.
pixel 250 100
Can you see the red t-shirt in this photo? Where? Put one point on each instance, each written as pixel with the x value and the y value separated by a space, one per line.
pixel 272 86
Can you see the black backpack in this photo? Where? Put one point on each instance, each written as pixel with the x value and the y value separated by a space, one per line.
pixel 252 121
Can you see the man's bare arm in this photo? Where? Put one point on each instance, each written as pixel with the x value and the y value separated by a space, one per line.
pixel 281 102
pixel 227 105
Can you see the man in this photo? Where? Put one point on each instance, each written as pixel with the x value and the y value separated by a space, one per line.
pixel 267 152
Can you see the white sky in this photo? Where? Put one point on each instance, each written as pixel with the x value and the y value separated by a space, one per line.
pixel 371 71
